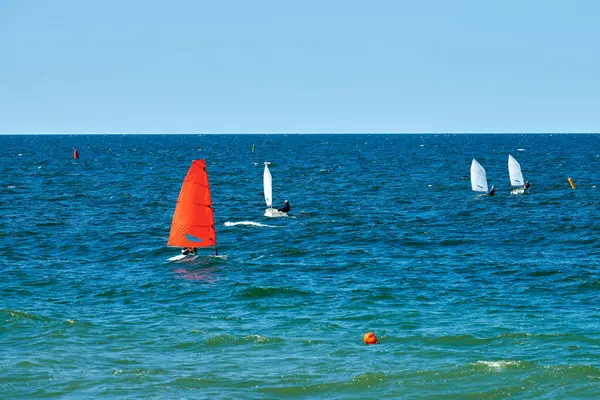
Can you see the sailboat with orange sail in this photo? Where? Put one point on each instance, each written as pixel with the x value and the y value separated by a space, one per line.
pixel 193 224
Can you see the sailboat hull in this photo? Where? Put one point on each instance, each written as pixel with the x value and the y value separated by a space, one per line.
pixel 274 213
pixel 519 191
pixel 191 257
pixel 180 257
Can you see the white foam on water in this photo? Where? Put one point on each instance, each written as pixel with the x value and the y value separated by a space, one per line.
pixel 249 223
pixel 520 149
pixel 498 364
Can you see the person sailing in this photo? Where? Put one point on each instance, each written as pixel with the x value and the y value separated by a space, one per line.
pixel 285 208
pixel 186 251
pixel 492 191
pixel 527 185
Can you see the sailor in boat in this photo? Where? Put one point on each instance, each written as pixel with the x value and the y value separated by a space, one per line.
pixel 492 191
pixel 285 208
pixel 186 251
pixel 527 185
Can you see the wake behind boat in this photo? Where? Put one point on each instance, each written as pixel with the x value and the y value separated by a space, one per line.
pixel 249 223
pixel 268 190
pixel 193 223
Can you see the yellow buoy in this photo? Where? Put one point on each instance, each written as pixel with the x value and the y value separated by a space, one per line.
pixel 571 183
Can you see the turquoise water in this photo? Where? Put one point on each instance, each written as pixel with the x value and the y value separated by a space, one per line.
pixel 470 297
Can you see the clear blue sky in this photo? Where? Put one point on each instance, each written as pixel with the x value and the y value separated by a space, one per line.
pixel 108 66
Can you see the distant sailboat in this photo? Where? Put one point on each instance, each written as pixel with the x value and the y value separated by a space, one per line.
pixel 516 176
pixel 268 189
pixel 193 222
pixel 478 177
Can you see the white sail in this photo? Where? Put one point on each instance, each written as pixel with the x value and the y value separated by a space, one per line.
pixel 268 185
pixel 478 177
pixel 514 170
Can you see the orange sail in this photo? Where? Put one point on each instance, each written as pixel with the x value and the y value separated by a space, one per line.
pixel 194 221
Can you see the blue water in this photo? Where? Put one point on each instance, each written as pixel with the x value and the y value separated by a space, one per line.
pixel 470 296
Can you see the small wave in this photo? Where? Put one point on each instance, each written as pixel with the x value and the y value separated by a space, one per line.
pixel 544 272
pixel 81 324
pixel 261 339
pixel 499 365
pixel 589 286
pixel 223 339
pixel 460 340
pixel 188 346
pixel 249 223
pixel 367 380
pixel 21 315
pixel 193 383
pixel 295 252
pixel 27 364
pixel 230 340
pixel 264 292
pixel 454 242
pixel 547 337
pixel 48 223
pixel 414 243
pixel 520 149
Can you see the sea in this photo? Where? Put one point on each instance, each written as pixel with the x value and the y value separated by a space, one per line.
pixel 470 296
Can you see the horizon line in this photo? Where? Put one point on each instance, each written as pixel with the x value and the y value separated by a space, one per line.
pixel 299 133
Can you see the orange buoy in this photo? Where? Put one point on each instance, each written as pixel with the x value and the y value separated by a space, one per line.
pixel 370 338
pixel 75 153
pixel 571 183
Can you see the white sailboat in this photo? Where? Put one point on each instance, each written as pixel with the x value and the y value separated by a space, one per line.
pixel 516 176
pixel 478 177
pixel 268 189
